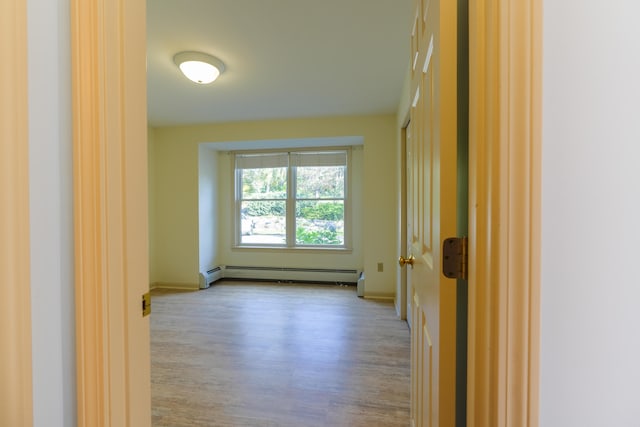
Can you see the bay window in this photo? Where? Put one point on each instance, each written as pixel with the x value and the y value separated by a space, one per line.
pixel 292 199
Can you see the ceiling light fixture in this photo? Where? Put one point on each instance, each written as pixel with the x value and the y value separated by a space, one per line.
pixel 199 67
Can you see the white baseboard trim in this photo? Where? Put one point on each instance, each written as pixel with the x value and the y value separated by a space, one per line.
pixel 288 274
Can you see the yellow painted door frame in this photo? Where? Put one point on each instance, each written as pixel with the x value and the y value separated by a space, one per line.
pixel 110 211
pixel 504 212
pixel 16 399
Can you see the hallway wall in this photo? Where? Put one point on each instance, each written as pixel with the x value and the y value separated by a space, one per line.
pixel 591 199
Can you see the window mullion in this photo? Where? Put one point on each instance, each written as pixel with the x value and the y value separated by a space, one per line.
pixel 291 206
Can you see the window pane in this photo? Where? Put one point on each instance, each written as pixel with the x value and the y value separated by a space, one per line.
pixel 263 222
pixel 320 222
pixel 320 182
pixel 264 183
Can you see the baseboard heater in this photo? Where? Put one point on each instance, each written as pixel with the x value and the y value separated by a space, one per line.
pixel 303 275
pixel 210 276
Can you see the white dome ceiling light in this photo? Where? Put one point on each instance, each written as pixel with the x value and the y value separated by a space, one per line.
pixel 199 67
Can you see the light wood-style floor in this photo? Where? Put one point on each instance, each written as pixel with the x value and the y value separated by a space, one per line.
pixel 259 354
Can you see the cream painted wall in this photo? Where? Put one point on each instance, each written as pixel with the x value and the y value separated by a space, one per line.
pixel 590 294
pixel 176 234
pixel 175 231
pixel 151 163
pixel 208 200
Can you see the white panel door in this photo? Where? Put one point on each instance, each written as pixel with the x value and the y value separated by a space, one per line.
pixel 431 211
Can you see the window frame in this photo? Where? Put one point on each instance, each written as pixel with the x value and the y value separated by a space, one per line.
pixel 290 202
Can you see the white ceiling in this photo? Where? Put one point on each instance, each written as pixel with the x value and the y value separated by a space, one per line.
pixel 284 58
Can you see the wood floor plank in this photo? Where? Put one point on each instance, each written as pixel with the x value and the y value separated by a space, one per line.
pixel 260 354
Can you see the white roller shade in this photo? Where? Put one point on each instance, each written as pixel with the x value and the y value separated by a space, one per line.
pixel 257 161
pixel 327 158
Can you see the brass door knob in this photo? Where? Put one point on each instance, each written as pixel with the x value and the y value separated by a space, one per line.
pixel 404 261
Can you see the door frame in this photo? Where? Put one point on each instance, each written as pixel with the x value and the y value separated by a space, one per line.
pixel 504 216
pixel 402 288
pixel 16 389
pixel 108 53
pixel 505 95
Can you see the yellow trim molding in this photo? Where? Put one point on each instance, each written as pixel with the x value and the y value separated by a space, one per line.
pixel 16 396
pixel 504 252
pixel 110 210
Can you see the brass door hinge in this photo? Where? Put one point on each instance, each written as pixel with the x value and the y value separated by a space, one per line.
pixel 146 304
pixel 455 257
